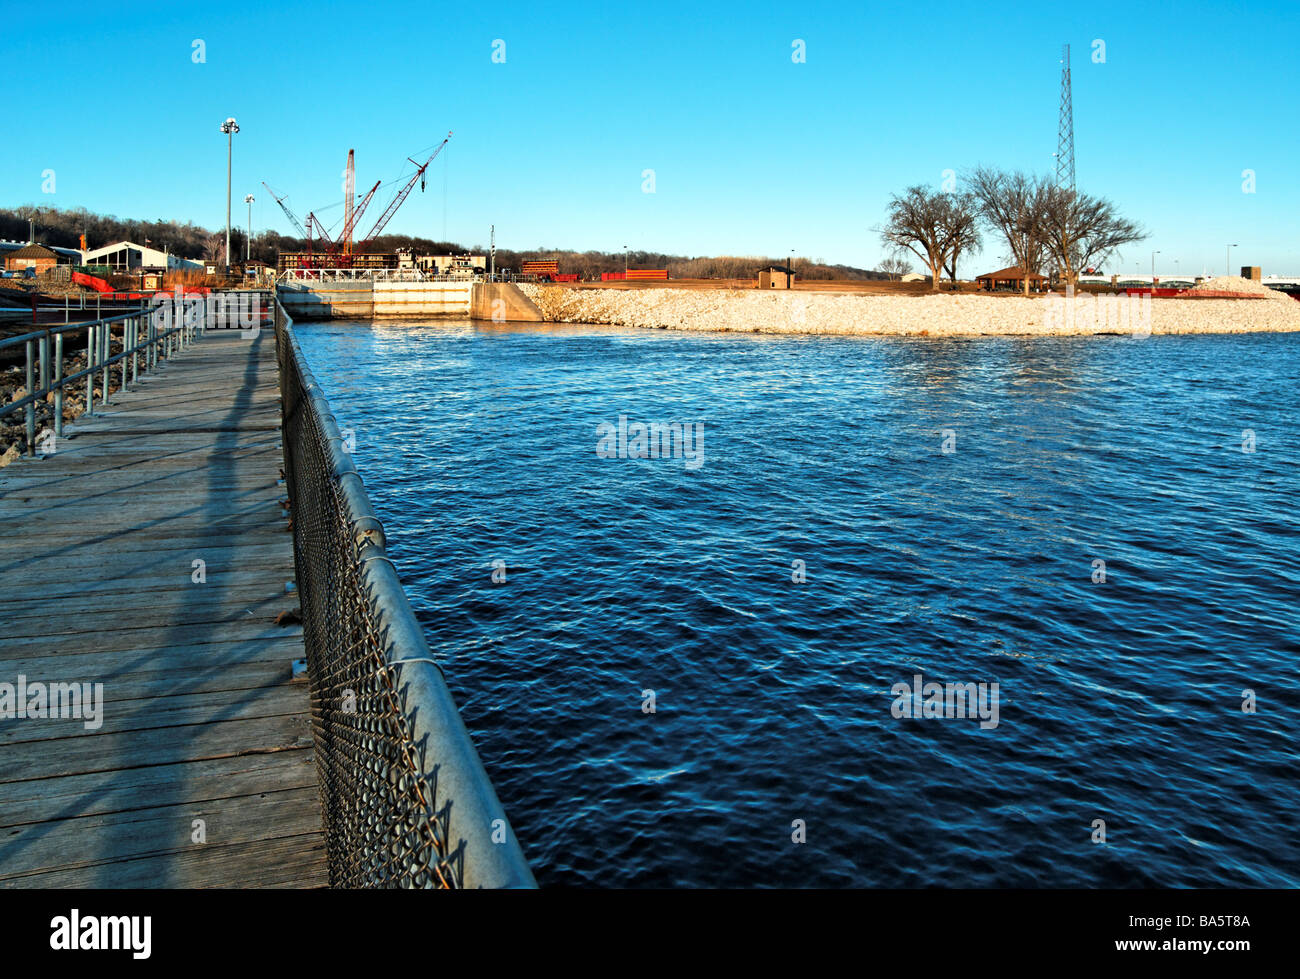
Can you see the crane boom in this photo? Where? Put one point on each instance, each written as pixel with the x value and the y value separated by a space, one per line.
pixel 356 214
pixel 285 208
pixel 349 190
pixel 402 194
pixel 324 235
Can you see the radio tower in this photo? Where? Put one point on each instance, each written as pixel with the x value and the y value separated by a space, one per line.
pixel 1065 132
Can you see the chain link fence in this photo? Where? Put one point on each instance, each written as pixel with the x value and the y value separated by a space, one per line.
pixel 405 799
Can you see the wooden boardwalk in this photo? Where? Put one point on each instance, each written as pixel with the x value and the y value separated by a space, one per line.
pixel 203 726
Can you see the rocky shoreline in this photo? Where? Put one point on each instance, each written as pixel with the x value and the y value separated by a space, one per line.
pixel 939 315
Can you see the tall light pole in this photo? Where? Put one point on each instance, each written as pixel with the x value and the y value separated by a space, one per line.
pixel 1227 260
pixel 625 261
pixel 1153 268
pixel 229 127
pixel 248 239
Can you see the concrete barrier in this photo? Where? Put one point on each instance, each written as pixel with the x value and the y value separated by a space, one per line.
pixel 502 302
pixel 328 300
pixel 422 298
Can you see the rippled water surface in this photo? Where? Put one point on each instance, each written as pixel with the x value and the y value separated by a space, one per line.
pixel 1120 701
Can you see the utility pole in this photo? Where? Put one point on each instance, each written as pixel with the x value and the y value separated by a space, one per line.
pixel 229 127
pixel 248 240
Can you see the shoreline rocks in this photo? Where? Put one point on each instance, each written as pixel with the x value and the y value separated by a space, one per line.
pixel 939 315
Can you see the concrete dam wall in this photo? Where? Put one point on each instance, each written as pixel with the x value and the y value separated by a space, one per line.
pixel 496 301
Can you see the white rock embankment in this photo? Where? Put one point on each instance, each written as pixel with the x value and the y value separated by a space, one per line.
pixel 752 311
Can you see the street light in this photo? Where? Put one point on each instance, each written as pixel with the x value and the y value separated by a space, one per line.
pixel 625 261
pixel 1227 259
pixel 229 127
pixel 1153 268
pixel 248 240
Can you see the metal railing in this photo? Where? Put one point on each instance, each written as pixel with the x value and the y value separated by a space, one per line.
pixel 404 797
pixel 371 275
pixel 143 347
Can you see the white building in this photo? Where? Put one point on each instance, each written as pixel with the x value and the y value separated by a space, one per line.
pixel 126 256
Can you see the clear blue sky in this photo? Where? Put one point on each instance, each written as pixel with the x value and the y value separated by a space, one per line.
pixel 752 153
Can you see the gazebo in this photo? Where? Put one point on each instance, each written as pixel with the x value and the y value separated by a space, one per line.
pixel 1011 277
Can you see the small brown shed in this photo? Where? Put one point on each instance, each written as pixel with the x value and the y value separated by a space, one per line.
pixel 776 277
pixel 31 256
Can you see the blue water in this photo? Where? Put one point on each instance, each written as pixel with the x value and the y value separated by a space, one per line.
pixel 1119 701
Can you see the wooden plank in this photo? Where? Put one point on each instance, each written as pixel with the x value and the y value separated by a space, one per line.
pixel 39 800
pixel 297 862
pixel 181 638
pixel 84 841
pixel 160 710
pixel 211 739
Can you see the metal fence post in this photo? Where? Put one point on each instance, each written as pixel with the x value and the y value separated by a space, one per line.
pixel 44 374
pixel 91 345
pixel 31 404
pixel 58 386
pixel 106 343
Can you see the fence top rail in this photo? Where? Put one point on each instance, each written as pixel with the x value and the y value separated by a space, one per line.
pixel 50 331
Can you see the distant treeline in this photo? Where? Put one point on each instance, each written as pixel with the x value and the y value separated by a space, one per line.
pixel 65 227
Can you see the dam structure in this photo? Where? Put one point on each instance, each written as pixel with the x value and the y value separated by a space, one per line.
pixel 317 294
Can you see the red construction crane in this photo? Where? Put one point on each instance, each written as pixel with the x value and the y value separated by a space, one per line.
pixel 349 189
pixel 356 215
pixel 402 194
pixel 340 251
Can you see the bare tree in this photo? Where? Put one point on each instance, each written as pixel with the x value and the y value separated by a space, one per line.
pixel 895 267
pixel 918 221
pixel 1013 204
pixel 1079 230
pixel 214 247
pixel 963 231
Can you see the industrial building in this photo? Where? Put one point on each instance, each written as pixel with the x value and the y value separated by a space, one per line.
pixel 315 260
pixel 126 256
